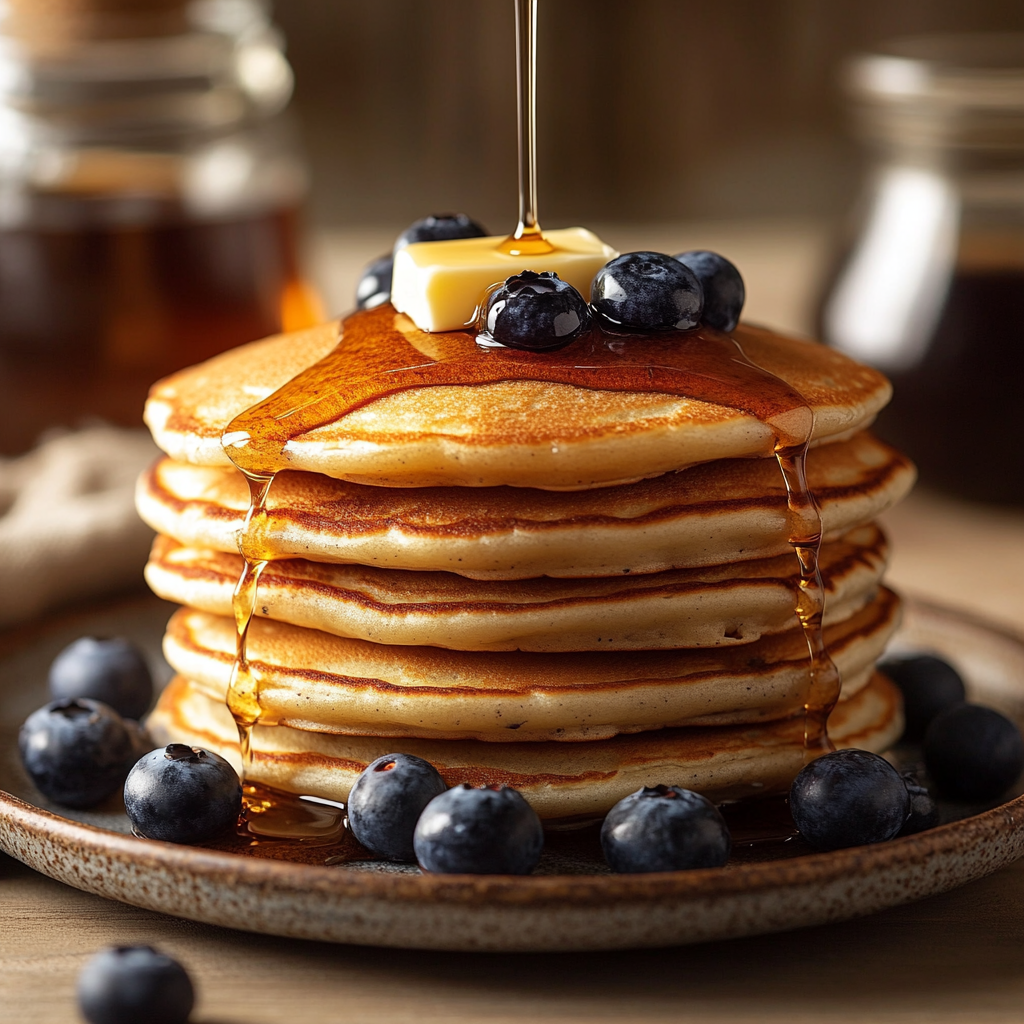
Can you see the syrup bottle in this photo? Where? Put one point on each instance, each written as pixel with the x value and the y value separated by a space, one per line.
pixel 149 191
pixel 932 290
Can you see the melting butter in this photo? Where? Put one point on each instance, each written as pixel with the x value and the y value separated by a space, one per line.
pixel 438 285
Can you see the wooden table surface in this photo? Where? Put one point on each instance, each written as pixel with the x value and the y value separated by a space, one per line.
pixel 957 957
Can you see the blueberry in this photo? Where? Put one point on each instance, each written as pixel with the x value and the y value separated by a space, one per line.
pixel 536 311
pixel 973 752
pixel 182 794
pixel 722 285
pixel 929 685
pixel 113 671
pixel 849 798
pixel 664 828
pixel 129 984
pixel 924 813
pixel 387 800
pixel 374 288
pixel 647 290
pixel 487 831
pixel 440 227
pixel 77 752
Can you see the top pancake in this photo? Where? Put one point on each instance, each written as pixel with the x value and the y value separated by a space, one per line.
pixel 516 432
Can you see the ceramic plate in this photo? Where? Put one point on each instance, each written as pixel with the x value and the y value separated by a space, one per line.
pixel 572 903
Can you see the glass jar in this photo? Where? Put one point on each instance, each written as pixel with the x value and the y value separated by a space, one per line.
pixel 149 190
pixel 932 290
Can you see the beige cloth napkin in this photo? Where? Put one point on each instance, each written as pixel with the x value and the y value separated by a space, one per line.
pixel 68 526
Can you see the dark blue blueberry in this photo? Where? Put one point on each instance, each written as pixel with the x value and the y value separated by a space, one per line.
pixel 924 813
pixel 182 794
pixel 387 800
pixel 440 227
pixel 535 311
pixel 849 798
pixel 77 752
pixel 130 984
pixel 374 288
pixel 485 831
pixel 973 753
pixel 722 285
pixel 929 685
pixel 664 828
pixel 647 290
pixel 113 671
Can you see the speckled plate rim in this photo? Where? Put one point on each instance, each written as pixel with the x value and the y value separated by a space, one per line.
pixel 536 913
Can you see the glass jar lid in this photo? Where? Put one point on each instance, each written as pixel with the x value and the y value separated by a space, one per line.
pixel 152 69
pixel 961 91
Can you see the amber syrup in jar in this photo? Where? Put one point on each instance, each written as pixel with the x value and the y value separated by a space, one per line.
pixel 931 290
pixel 149 191
pixel 89 318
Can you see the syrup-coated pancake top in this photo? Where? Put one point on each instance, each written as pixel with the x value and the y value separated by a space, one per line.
pixel 562 781
pixel 518 431
pixel 334 684
pixel 712 514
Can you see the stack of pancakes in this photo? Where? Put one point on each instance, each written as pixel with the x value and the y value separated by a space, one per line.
pixel 571 591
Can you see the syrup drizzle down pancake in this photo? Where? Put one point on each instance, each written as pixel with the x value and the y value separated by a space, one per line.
pixel 313 680
pixel 564 782
pixel 713 514
pixel 715 606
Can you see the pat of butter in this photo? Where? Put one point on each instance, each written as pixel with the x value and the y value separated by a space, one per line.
pixel 438 285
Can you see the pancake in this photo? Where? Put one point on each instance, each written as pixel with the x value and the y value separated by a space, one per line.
pixel 713 514
pixel 516 432
pixel 716 606
pixel 312 680
pixel 564 782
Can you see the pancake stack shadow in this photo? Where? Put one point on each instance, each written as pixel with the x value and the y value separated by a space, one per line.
pixel 575 644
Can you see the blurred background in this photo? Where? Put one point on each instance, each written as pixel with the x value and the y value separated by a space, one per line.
pixel 649 111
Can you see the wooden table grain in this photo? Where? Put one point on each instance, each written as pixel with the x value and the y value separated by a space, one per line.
pixel 953 958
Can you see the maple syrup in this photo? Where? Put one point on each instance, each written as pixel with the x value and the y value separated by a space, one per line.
pixel 382 353
pixel 91 316
pixel 974 363
pixel 271 815
pixel 930 287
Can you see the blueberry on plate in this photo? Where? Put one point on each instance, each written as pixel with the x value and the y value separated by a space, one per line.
pixel 973 753
pixel 924 813
pixel 535 311
pixel 929 686
pixel 440 227
pixel 724 293
pixel 487 831
pixel 374 288
pixel 113 671
pixel 77 752
pixel 387 800
pixel 849 798
pixel 129 984
pixel 647 291
pixel 182 794
pixel 664 828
